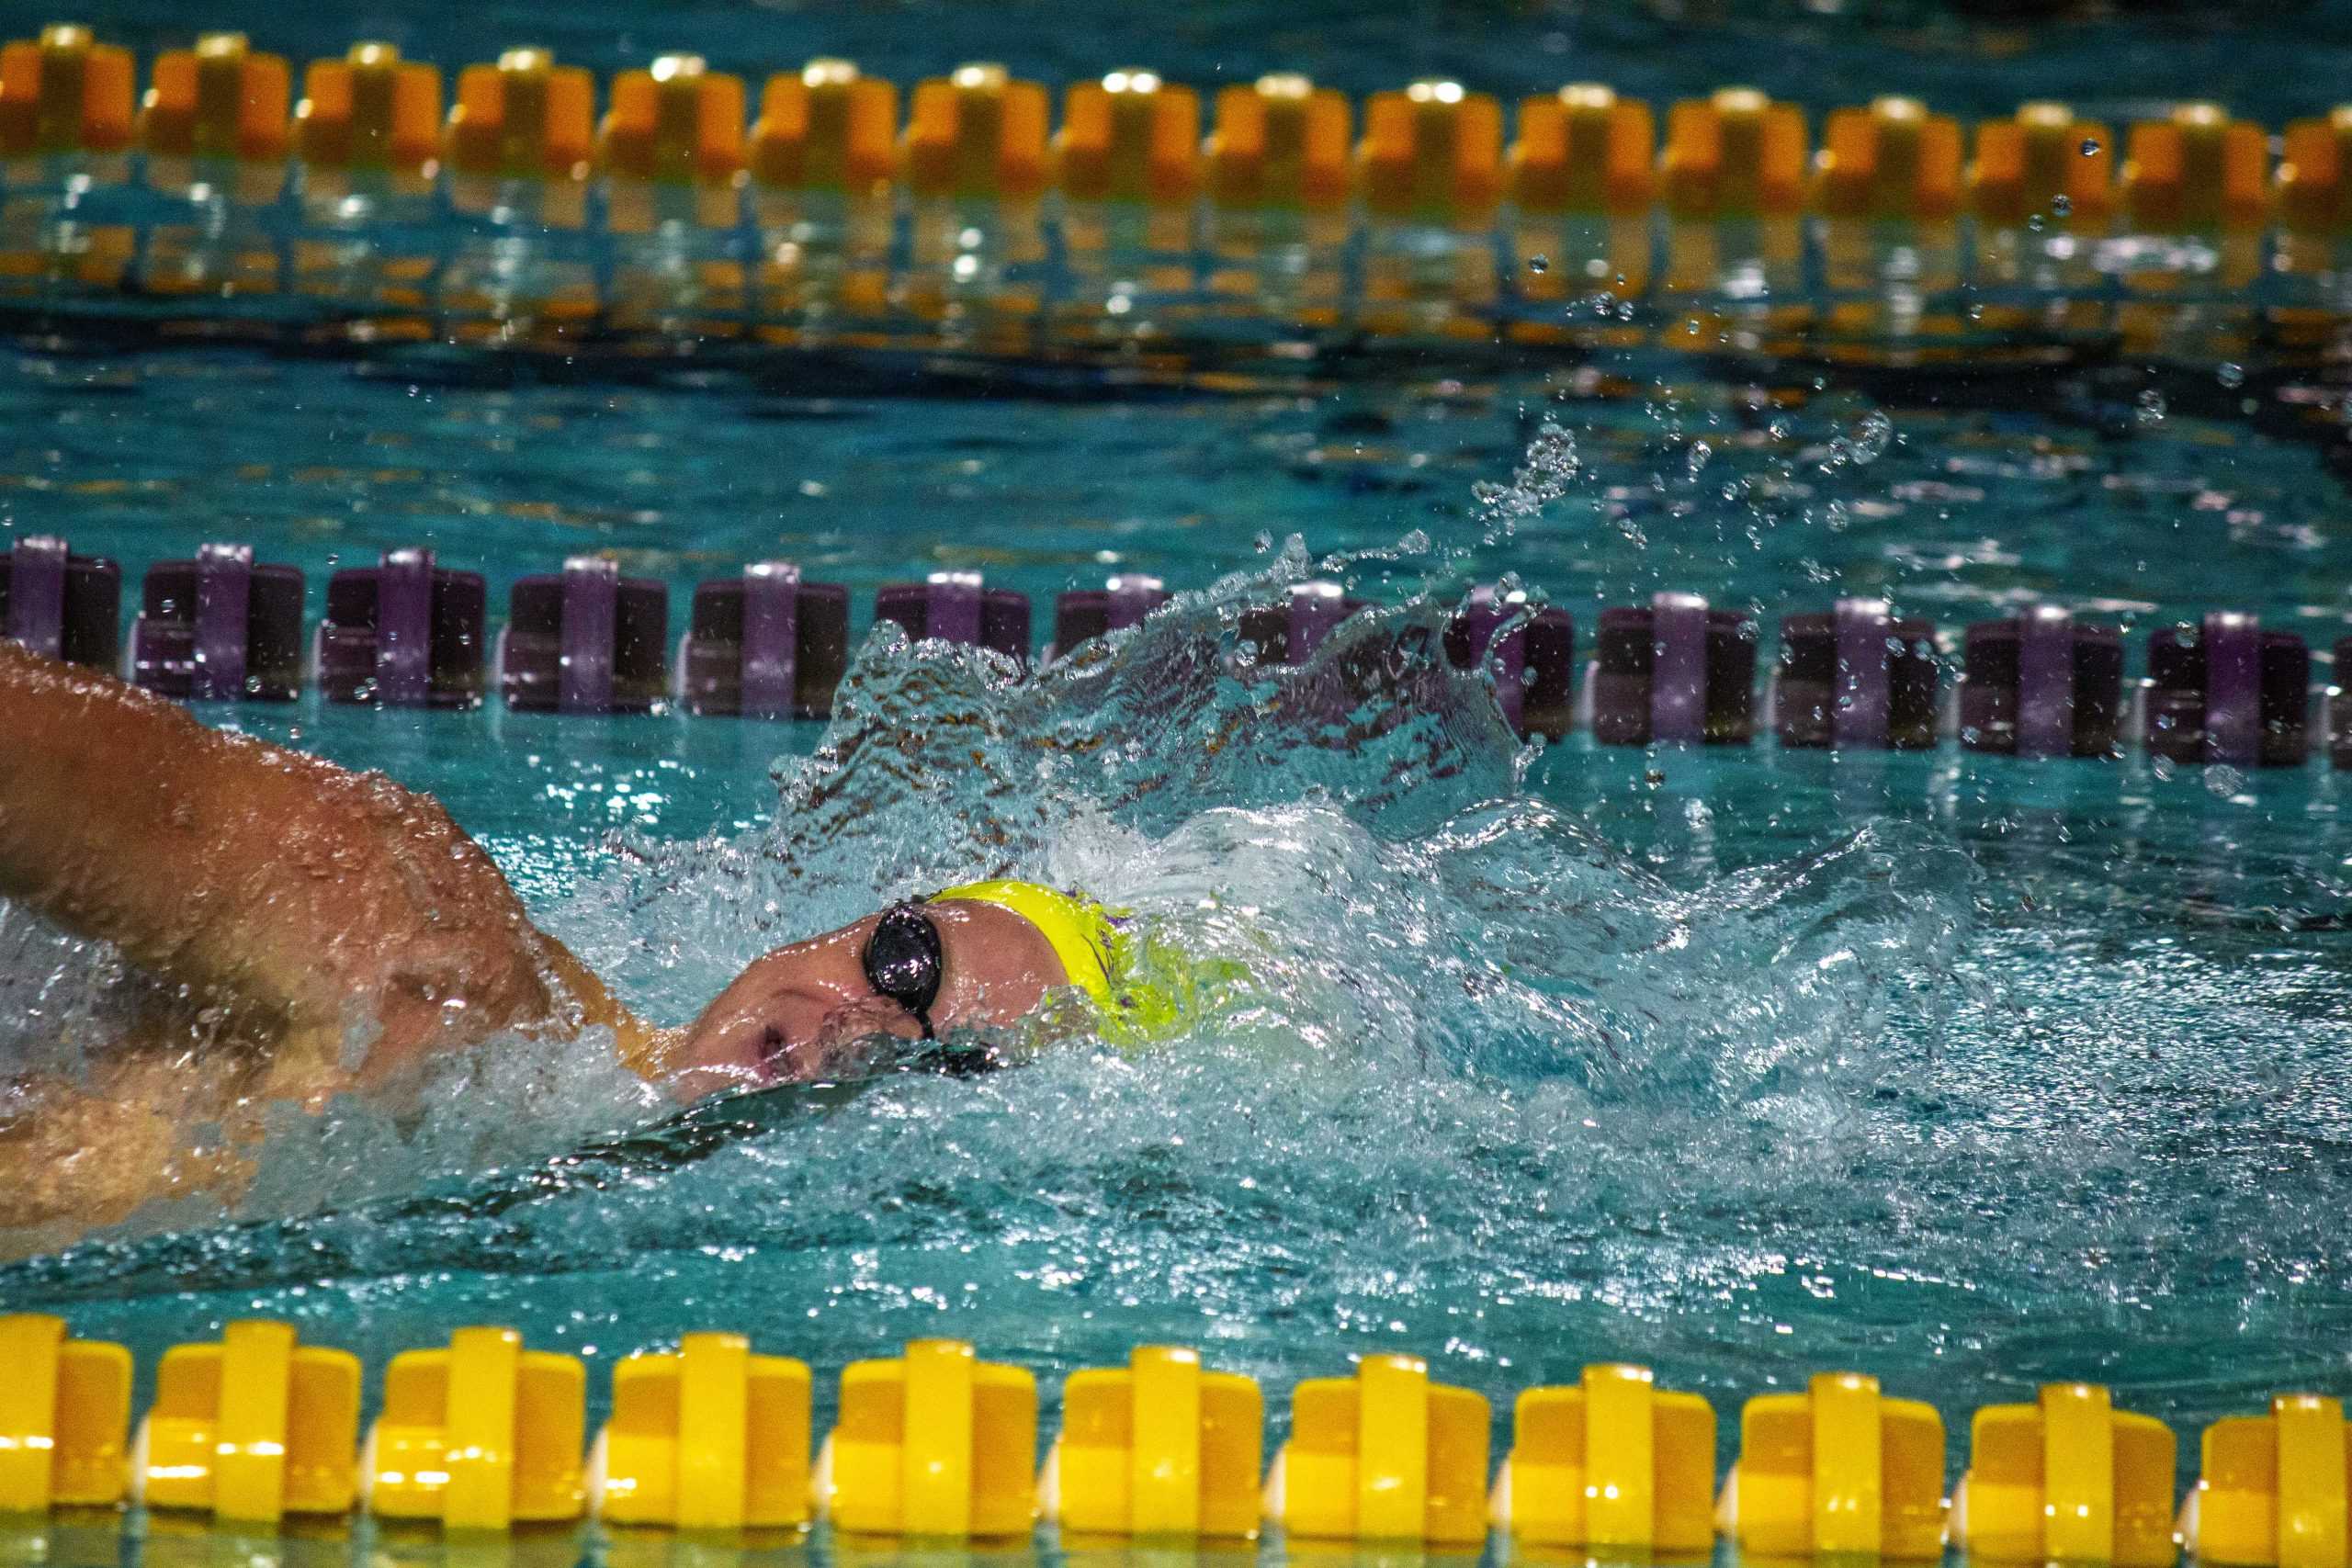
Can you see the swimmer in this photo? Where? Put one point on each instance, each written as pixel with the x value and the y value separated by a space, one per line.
pixel 309 931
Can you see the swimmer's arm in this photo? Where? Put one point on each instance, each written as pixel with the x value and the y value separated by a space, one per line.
pixel 146 1125
pixel 305 898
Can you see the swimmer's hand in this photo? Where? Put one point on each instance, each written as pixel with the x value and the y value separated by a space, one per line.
pixel 316 931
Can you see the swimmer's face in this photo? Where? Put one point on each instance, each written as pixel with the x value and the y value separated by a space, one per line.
pixel 807 1012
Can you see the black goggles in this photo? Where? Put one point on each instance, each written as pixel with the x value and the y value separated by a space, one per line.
pixel 902 961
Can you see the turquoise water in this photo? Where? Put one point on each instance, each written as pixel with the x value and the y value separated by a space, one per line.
pixel 1968 1073
pixel 1971 1072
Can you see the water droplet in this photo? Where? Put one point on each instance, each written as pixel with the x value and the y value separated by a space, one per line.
pixel 2034 222
pixel 1867 442
pixel 1550 465
pixel 2090 146
pixel 1699 453
pixel 2231 374
pixel 2062 203
pixel 2152 407
pixel 1539 263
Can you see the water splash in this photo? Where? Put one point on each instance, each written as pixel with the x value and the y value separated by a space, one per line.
pixel 1354 827
pixel 1497 1089
pixel 1545 475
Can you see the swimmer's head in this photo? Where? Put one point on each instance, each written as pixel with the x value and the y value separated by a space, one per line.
pixel 813 1010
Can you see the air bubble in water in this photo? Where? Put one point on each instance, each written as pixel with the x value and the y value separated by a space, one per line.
pixel 1698 456
pixel 2062 203
pixel 1866 443
pixel 2231 374
pixel 2152 407
pixel 2090 146
pixel 1539 263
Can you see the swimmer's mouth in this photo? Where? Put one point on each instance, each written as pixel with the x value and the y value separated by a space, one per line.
pixel 773 1045
pixel 958 1058
pixel 881 1052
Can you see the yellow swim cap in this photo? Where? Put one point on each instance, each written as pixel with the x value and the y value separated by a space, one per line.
pixel 1077 929
pixel 1144 990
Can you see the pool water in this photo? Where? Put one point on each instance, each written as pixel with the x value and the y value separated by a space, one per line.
pixel 1967 1072
pixel 1970 1071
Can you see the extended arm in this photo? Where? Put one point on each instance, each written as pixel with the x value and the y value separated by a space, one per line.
pixel 308 901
